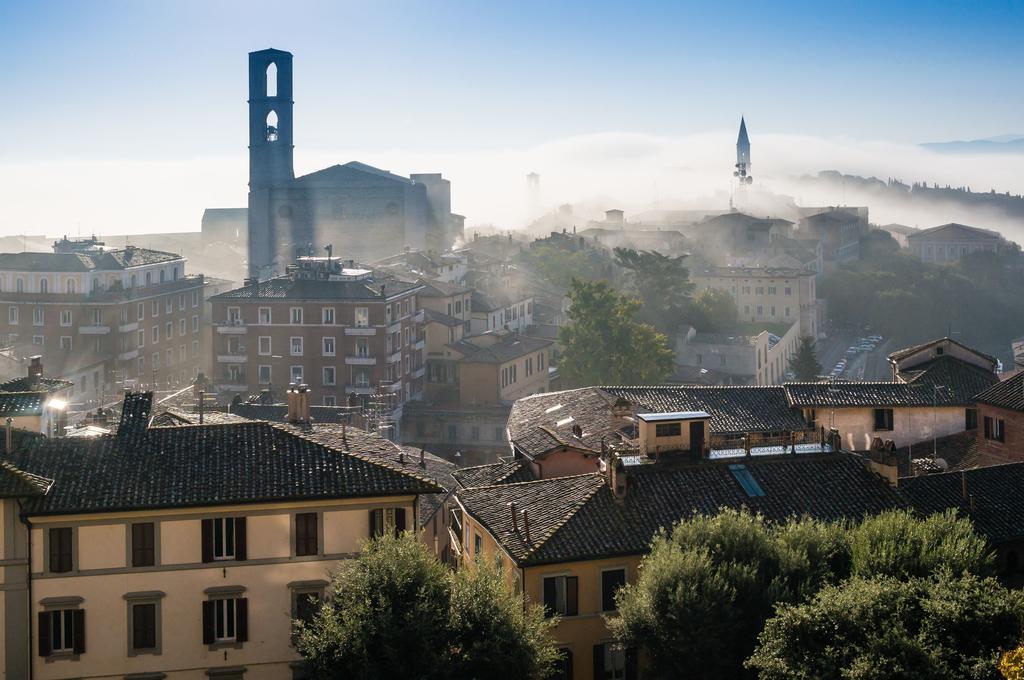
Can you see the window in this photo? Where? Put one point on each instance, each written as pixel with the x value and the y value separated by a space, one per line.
pixel 141 337
pixel 62 631
pixel 195 323
pixel 387 520
pixel 296 346
pixel 477 544
pixel 38 340
pixel 168 330
pixel 668 429
pixel 746 480
pixel 789 291
pixel 771 290
pixel 155 307
pixel 306 599
pixel 971 419
pixel 65 317
pixel 61 550
pixel 181 298
pixel 156 361
pixel 195 298
pixel 143 546
pixel 264 374
pixel 225 620
pixel 883 419
pixel 12 316
pixel 362 347
pixel 327 315
pixel 182 326
pixel 19 286
pixel 296 373
pixel 362 317
pixel 994 429
pixel 330 400
pixel 168 305
pixel 263 345
pixel 611 581
pixel 561 595
pixel 330 375
pixel 760 290
pixel 156 334
pixel 65 343
pixel 328 349
pixel 140 311
pixel 223 539
pixel 264 315
pixel 296 315
pixel 44 285
pixel 143 626
pixel 613 661
pixel 37 316
pixel 306 535
pixel 361 377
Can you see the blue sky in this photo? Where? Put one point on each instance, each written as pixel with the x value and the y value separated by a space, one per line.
pixel 165 81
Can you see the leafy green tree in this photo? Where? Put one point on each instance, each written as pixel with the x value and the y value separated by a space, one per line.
pixel 883 628
pixel 661 281
pixel 712 311
pixel 604 345
pixel 559 267
pixel 396 612
pixel 804 363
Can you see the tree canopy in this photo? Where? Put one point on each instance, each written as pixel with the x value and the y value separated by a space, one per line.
pixel 396 612
pixel 662 283
pixel 604 345
pixel 707 588
pixel 712 311
pixel 804 363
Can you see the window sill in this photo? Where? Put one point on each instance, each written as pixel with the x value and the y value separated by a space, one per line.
pixel 224 644
pixel 155 651
pixel 62 656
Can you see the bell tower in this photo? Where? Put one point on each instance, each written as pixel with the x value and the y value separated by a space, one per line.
pixel 270 119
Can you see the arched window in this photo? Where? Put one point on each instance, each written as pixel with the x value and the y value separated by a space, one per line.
pixel 272 126
pixel 272 80
pixel 174 275
pixel 19 285
pixel 162 276
pixel 95 285
pixel 44 285
pixel 70 286
pixel 134 281
pixel 149 278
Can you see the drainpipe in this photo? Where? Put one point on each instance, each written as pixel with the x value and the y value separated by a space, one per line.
pixel 28 584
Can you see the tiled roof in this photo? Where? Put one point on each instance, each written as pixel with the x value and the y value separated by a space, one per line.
pixel 575 518
pixel 107 260
pixel 1008 394
pixel 959 450
pixel 955 232
pixel 958 381
pixel 24 384
pixel 21 403
pixel 287 288
pixel 506 349
pixel 440 317
pixel 174 417
pixel 908 351
pixel 16 483
pixel 868 395
pixel 733 409
pixel 998 493
pixel 199 465
pixel 502 472
pixel 432 288
pixel 405 459
pixel 276 413
pixel 544 422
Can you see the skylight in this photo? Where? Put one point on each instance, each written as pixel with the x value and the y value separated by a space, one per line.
pixel 746 480
pixel 564 421
pixel 553 408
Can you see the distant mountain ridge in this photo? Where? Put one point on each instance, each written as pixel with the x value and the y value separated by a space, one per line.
pixel 993 145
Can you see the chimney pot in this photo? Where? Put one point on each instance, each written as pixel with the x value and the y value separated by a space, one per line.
pixel 423 458
pixel 515 519
pixel 401 456
pixel 526 528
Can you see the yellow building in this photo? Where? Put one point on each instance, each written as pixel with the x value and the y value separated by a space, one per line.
pixel 571 542
pixel 500 367
pixel 182 552
pixel 767 295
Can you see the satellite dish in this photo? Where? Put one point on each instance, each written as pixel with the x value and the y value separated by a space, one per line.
pixel 750 180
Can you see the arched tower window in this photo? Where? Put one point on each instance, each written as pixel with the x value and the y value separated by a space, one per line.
pixel 272 80
pixel 272 126
pixel 71 286
pixel 134 281
pixel 175 274
pixel 44 285
pixel 149 278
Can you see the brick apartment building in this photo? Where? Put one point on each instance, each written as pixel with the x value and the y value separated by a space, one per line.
pixel 339 329
pixel 101 318
pixel 1000 422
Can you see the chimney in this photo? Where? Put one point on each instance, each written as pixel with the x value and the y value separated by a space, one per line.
pixel 7 436
pixel 423 458
pixel 617 478
pixel 526 528
pixel 515 519
pixel 302 404
pixel 35 371
pixel 292 415
pixel 401 456
pixel 202 404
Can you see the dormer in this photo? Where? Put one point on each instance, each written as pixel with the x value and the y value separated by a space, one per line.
pixel 672 433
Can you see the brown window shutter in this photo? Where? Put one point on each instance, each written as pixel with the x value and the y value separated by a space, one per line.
pixel 549 597
pixel 242 619
pixel 572 585
pixel 44 633
pixel 373 523
pixel 207 540
pixel 55 540
pixel 240 553
pixel 79 631
pixel 208 634
pixel 399 520
pixel 598 662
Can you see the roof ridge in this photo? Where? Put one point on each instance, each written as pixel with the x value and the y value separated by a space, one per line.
pixel 27 477
pixel 570 513
pixel 530 481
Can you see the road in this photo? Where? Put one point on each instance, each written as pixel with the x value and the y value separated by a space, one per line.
pixel 872 365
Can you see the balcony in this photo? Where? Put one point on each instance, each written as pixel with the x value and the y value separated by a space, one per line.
pixel 239 357
pixel 361 361
pixel 93 330
pixel 393 387
pixel 419 345
pixel 231 327
pixel 394 358
pixel 353 330
pixel 418 318
pixel 395 327
pixel 418 373
pixel 128 327
pixel 358 389
pixel 129 355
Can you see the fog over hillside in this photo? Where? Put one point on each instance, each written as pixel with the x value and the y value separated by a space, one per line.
pixel 627 170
